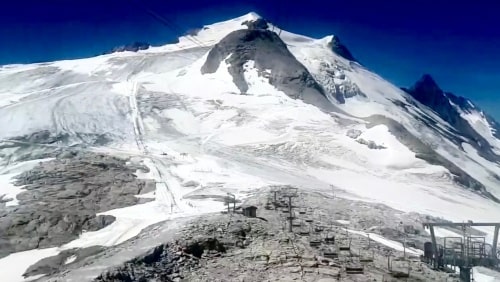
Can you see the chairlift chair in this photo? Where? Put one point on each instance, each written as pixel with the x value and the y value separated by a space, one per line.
pixel 318 228
pixel 345 244
pixel 304 231
pixel 302 211
pixel 330 237
pixel 330 252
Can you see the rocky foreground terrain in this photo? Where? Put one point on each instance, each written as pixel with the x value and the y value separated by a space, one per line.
pixel 61 198
pixel 232 247
pixel 63 195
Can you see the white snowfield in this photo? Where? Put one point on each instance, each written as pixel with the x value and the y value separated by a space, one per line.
pixel 187 127
pixel 389 243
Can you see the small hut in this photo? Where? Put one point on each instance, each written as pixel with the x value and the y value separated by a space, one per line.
pixel 250 211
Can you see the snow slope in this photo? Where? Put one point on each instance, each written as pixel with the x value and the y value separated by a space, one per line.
pixel 14 265
pixel 190 127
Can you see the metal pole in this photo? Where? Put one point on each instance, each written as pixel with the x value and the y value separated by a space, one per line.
pixel 494 246
pixel 404 247
pixel 404 239
pixel 234 204
pixel 290 213
pixel 434 245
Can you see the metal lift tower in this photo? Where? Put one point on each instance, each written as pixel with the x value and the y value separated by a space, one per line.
pixel 463 252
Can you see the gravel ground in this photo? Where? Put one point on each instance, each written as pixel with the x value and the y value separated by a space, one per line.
pixel 232 247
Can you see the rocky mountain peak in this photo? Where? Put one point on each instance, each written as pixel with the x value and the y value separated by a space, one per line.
pixel 450 108
pixel 427 92
pixel 427 85
pixel 258 23
pixel 340 49
pixel 271 58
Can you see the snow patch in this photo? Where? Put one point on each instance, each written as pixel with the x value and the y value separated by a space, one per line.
pixel 482 274
pixel 257 83
pixel 386 242
pixel 14 265
pixel 480 124
pixel 443 232
pixel 343 222
pixel 183 121
pixel 70 259
pixel 395 154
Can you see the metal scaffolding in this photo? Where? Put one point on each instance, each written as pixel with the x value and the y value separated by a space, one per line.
pixel 463 252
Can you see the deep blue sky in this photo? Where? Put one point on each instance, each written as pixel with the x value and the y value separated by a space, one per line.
pixel 457 43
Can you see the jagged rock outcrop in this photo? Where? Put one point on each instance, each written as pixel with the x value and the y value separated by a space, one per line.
pixel 132 47
pixel 259 23
pixel 333 79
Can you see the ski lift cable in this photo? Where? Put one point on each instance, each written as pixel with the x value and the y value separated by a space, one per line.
pixel 166 22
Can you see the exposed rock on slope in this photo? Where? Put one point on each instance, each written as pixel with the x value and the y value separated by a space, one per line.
pixel 237 248
pixel 448 107
pixel 259 23
pixel 62 199
pixel 335 82
pixel 425 152
pixel 133 47
pixel 51 265
pixel 340 49
pixel 272 60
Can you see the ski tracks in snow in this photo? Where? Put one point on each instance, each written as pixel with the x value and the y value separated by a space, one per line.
pixel 164 196
pixel 136 117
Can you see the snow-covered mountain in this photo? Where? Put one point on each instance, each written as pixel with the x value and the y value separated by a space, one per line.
pixel 467 119
pixel 234 107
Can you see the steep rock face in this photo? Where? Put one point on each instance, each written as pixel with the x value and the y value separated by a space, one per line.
pixel 495 125
pixel 268 52
pixel 340 49
pixel 448 107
